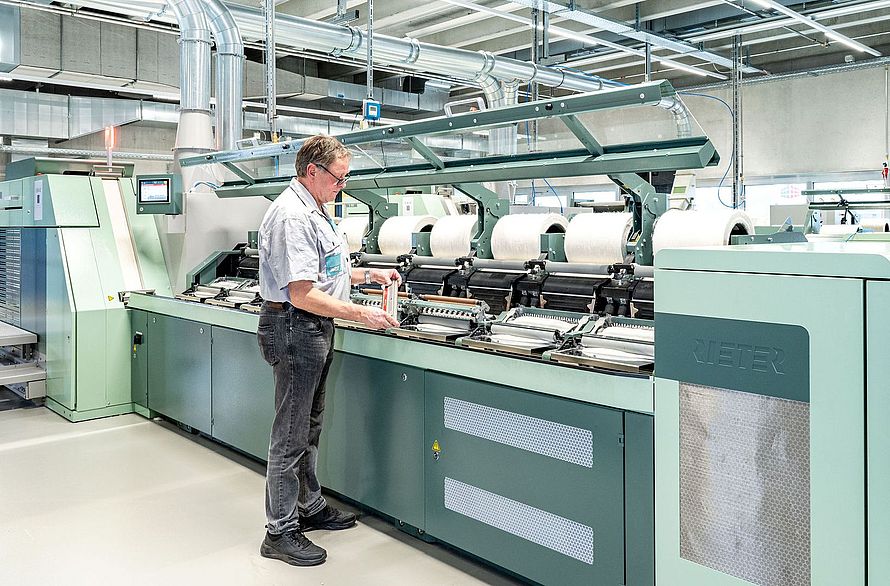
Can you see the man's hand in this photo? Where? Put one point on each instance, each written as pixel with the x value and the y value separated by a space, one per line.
pixel 376 318
pixel 385 276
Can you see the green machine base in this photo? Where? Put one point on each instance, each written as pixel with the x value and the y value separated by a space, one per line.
pixel 413 432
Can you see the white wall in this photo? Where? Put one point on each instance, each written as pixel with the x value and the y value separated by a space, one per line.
pixel 830 123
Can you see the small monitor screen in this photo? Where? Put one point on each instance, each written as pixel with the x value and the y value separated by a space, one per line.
pixel 154 191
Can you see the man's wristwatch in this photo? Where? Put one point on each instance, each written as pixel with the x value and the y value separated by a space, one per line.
pixel 367 276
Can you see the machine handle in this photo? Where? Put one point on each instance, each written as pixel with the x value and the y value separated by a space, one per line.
pixel 478 102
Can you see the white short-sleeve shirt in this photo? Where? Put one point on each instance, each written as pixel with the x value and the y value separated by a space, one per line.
pixel 298 241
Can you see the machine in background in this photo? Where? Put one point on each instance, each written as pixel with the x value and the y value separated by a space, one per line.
pixel 73 228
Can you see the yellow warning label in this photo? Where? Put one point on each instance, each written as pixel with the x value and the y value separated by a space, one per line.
pixel 436 446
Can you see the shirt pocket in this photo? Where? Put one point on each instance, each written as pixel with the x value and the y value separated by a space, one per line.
pixel 330 256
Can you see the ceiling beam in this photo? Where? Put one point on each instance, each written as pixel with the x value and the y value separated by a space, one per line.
pixel 626 30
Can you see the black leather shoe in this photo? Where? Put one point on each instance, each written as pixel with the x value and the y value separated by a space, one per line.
pixel 328 518
pixel 294 548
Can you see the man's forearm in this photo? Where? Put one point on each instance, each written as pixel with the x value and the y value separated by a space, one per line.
pixel 358 275
pixel 314 301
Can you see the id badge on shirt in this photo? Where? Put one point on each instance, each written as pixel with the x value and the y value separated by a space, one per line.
pixel 333 265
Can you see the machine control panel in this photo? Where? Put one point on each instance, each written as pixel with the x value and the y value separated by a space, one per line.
pixel 159 194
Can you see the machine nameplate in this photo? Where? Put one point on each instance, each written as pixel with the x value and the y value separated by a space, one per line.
pixel 764 358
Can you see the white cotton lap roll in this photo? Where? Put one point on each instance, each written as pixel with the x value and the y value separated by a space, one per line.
pixel 395 233
pixel 876 225
pixel 451 236
pixel 598 238
pixel 518 236
pixel 683 229
pixel 353 229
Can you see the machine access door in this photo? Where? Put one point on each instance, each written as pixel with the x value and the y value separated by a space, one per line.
pixel 530 482
pixel 371 447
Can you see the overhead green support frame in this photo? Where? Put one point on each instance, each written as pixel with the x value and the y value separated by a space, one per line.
pixel 582 134
pixel 694 153
pixel 644 94
pixel 426 152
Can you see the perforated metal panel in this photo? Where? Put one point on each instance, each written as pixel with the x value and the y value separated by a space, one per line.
pixel 11 276
pixel 532 524
pixel 548 438
pixel 745 485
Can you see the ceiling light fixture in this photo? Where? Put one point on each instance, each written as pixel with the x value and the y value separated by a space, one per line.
pixel 626 30
pixel 829 32
pixel 586 39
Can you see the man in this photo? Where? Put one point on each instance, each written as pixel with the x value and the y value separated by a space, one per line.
pixel 305 280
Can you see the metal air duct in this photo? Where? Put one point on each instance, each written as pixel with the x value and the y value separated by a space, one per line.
pixel 229 74
pixel 409 53
pixel 194 135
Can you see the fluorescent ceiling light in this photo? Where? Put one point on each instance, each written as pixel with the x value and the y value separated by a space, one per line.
pixel 829 32
pixel 778 22
pixel 586 39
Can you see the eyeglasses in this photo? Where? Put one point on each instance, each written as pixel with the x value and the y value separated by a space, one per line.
pixel 340 180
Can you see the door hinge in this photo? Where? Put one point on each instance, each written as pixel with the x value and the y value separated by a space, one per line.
pixel 621 439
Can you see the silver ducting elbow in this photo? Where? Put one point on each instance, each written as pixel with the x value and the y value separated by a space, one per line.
pixel 682 117
pixel 511 91
pixel 229 74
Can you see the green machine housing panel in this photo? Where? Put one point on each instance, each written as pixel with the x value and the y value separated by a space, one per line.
pixel 540 484
pixel 179 370
pixel 760 481
pixel 372 444
pixel 243 401
pixel 532 483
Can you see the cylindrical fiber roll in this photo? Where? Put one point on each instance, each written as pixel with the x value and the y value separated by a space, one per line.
pixel 599 238
pixel 353 229
pixel 451 236
pixel 518 236
pixel 876 225
pixel 395 233
pixel 682 229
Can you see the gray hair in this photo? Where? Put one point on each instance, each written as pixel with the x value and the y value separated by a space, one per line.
pixel 320 149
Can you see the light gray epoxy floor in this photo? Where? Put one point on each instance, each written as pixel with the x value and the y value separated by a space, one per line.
pixel 125 500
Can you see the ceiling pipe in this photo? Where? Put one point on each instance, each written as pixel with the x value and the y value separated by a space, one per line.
pixel 229 74
pixel 411 53
pixel 478 66
pixel 193 135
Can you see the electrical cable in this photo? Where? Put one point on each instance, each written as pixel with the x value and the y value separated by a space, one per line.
pixel 732 156
pixel 561 208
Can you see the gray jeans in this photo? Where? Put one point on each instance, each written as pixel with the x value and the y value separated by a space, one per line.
pixel 299 347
